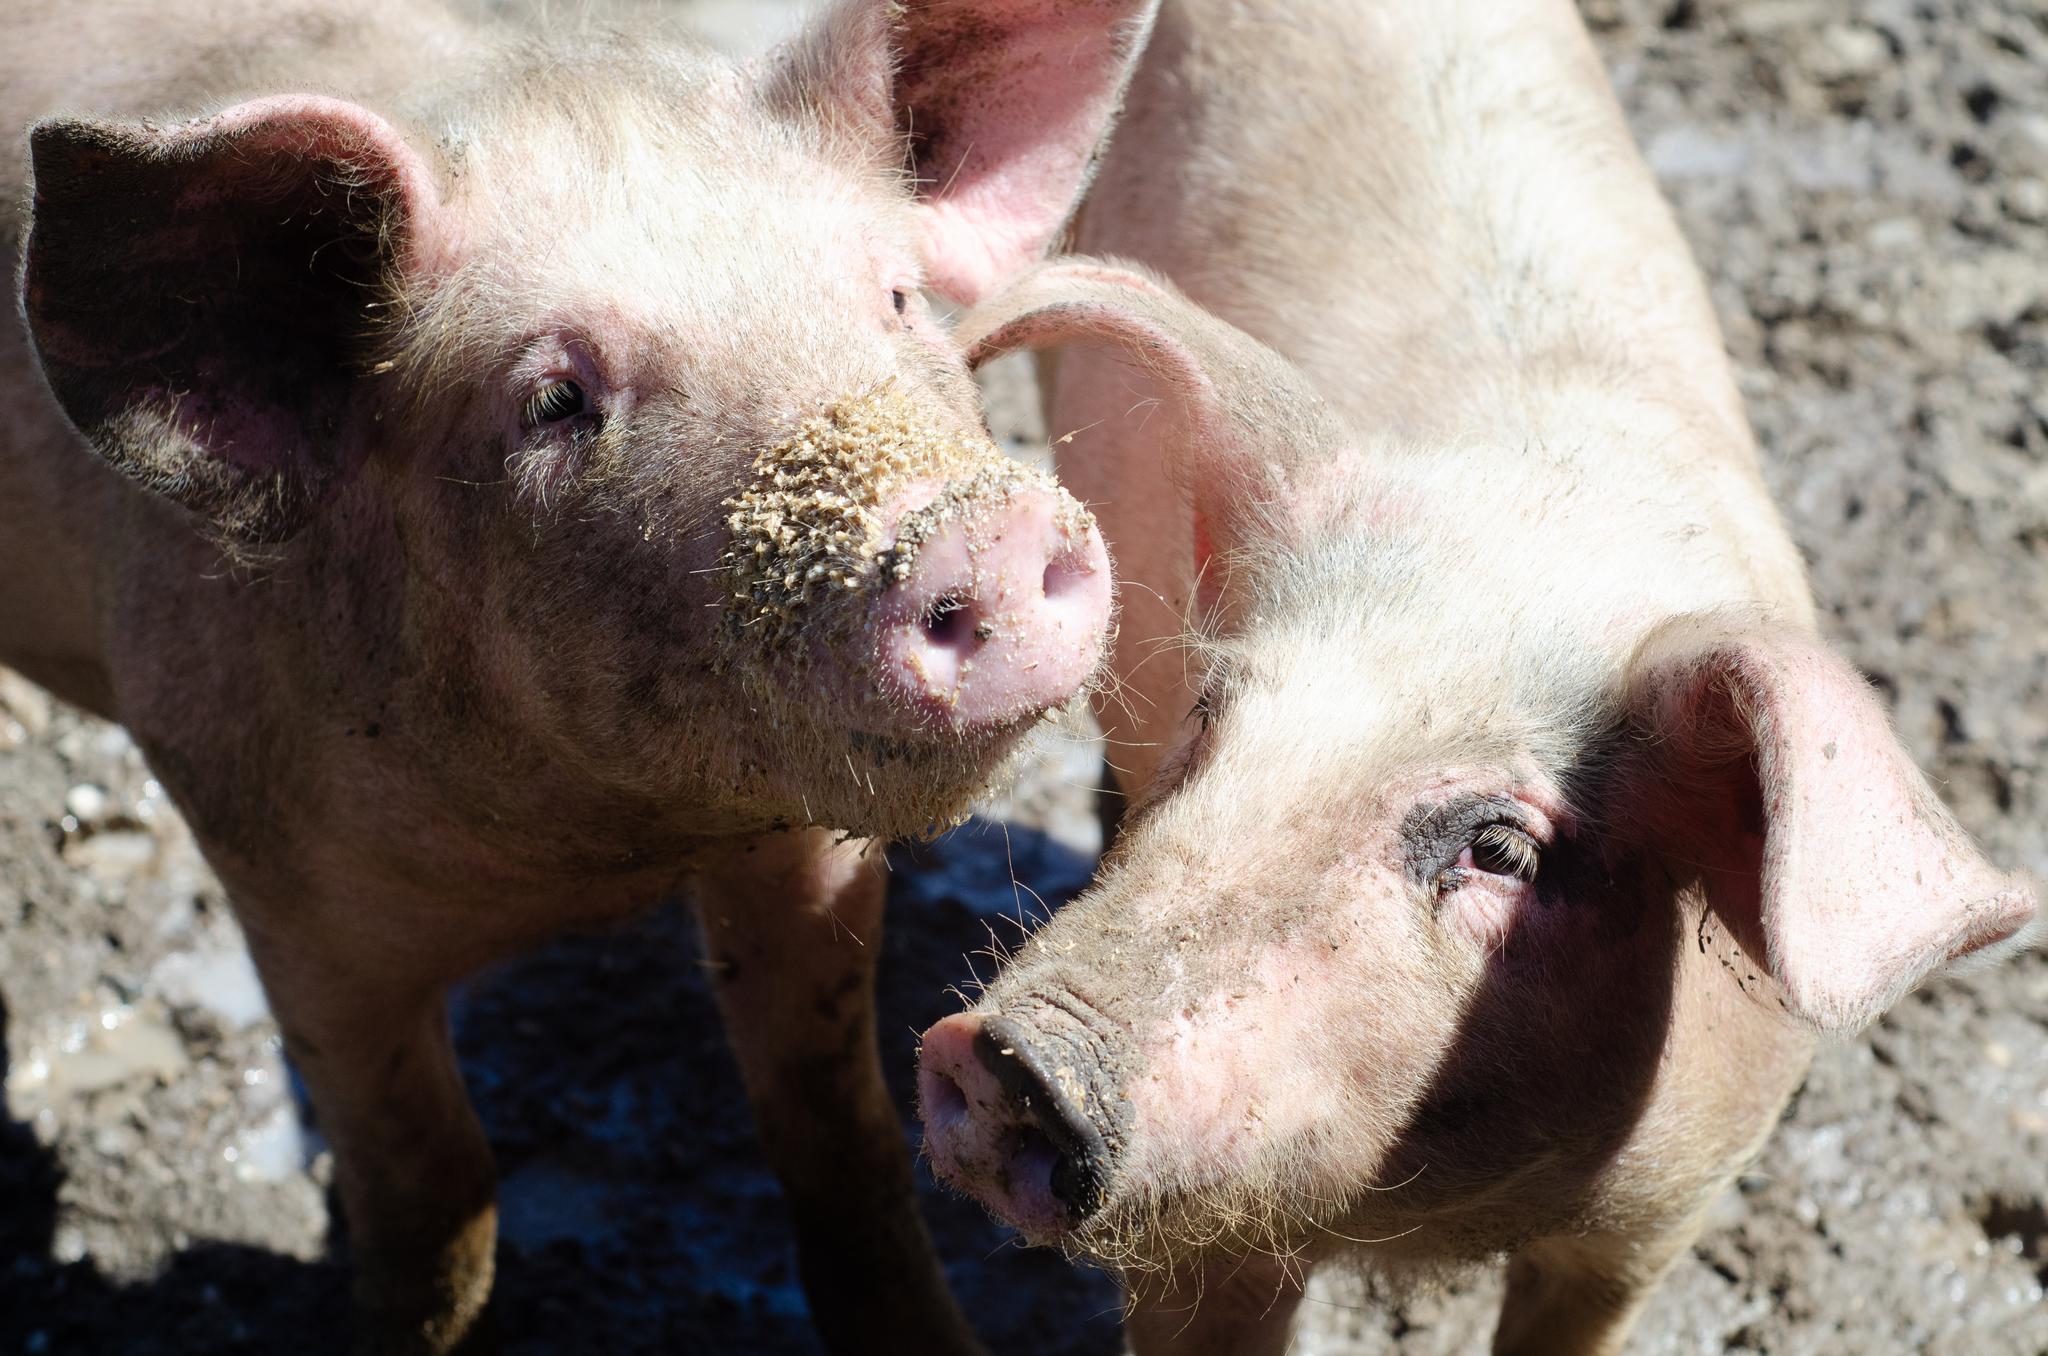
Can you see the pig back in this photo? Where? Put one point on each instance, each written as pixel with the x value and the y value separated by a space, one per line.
pixel 1436 212
pixel 1421 204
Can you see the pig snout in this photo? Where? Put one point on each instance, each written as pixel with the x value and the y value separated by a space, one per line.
pixel 1019 1121
pixel 930 584
pixel 1000 615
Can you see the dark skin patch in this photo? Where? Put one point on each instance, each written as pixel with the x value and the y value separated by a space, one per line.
pixel 830 1004
pixel 1433 835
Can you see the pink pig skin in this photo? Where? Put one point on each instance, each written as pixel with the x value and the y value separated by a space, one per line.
pixel 385 379
pixel 1500 832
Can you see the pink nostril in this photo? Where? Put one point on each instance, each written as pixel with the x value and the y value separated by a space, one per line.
pixel 940 1098
pixel 998 1126
pixel 1027 1175
pixel 1069 570
pixel 953 622
pixel 999 618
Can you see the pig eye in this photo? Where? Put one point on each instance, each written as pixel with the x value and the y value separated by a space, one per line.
pixel 1503 850
pixel 555 403
pixel 1468 840
pixel 900 299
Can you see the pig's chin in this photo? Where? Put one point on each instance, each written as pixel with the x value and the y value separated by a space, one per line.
pixel 1143 1230
pixel 891 784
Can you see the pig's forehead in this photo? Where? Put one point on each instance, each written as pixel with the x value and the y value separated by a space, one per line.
pixel 1365 682
pixel 637 203
pixel 664 168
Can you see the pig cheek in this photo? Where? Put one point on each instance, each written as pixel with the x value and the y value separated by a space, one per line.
pixel 1250 1066
pixel 1490 911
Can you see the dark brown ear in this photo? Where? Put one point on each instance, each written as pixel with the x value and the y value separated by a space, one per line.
pixel 197 294
pixel 1772 770
pixel 1004 105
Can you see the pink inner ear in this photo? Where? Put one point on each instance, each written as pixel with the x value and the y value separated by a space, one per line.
pixel 199 294
pixel 1867 883
pixel 1246 430
pixel 1006 103
pixel 1007 181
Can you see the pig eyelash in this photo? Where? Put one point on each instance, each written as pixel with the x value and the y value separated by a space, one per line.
pixel 556 402
pixel 1468 840
pixel 1505 850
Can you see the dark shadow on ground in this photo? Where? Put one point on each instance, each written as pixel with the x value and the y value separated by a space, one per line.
pixel 635 1213
pixel 220 1299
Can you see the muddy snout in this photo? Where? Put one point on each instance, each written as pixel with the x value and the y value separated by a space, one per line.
pixel 1000 609
pixel 912 571
pixel 1026 1122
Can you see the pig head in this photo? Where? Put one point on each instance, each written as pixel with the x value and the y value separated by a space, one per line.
pixel 592 414
pixel 1493 887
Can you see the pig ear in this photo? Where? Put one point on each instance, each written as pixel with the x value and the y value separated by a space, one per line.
pixel 1248 411
pixel 1249 422
pixel 1822 849
pixel 197 294
pixel 1005 105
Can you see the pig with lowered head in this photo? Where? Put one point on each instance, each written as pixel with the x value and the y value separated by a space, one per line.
pixel 498 475
pixel 1520 836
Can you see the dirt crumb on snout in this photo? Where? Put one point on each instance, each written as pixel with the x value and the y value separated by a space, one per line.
pixel 811 531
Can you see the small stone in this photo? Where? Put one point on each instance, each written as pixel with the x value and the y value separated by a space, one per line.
pixel 2026 199
pixel 1895 235
pixel 68 1246
pixel 114 854
pixel 24 702
pixel 2022 143
pixel 86 803
pixel 1772 16
pixel 1846 51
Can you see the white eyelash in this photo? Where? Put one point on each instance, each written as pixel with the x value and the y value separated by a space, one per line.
pixel 1513 848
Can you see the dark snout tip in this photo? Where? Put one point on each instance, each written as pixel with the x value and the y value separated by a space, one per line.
pixel 1053 1097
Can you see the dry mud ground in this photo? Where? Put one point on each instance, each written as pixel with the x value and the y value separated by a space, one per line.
pixel 1867 187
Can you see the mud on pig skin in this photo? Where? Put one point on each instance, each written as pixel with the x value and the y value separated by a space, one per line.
pixel 387 381
pixel 1520 834
pixel 988 590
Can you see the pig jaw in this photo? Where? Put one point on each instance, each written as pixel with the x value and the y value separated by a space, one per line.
pixel 1196 1110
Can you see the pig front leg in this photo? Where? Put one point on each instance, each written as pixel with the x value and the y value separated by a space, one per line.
pixel 367 1027
pixel 792 924
pixel 1579 1296
pixel 1241 1307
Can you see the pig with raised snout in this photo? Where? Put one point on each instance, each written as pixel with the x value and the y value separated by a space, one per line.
pixel 1501 834
pixel 522 475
